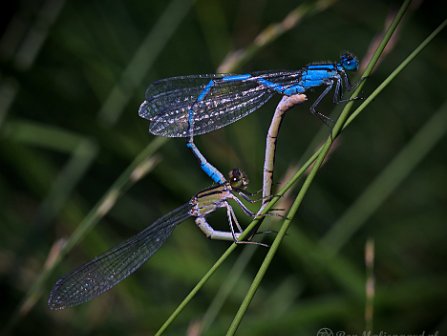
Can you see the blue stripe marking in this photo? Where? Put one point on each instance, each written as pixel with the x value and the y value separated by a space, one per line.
pixel 327 67
pixel 207 167
pixel 236 78
pixel 317 74
pixel 312 83
pixel 205 90
pixel 201 96
pixel 294 90
pixel 274 86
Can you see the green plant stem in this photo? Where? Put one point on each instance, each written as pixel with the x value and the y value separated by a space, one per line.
pixel 232 279
pixel 393 175
pixel 394 74
pixel 282 232
pixel 302 170
pixel 396 171
pixel 225 255
pixel 298 200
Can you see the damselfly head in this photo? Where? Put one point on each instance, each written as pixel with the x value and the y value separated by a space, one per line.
pixel 349 62
pixel 238 179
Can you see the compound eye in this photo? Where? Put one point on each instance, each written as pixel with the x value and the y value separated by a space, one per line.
pixel 349 62
pixel 237 178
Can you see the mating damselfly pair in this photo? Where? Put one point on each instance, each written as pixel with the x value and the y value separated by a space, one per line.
pixel 184 107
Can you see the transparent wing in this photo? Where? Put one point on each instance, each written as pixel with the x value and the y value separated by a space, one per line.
pixel 169 100
pixel 107 270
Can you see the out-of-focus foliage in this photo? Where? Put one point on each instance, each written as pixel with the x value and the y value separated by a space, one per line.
pixel 71 79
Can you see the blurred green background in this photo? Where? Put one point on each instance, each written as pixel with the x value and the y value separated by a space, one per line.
pixel 72 77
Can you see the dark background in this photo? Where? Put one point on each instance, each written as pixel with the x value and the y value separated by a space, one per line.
pixel 72 77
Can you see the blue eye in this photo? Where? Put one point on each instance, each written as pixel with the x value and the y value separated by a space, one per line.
pixel 349 62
